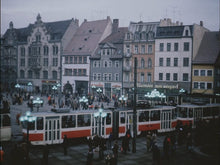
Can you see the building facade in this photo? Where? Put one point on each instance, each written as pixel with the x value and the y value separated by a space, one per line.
pixel 39 53
pixel 75 59
pixel 106 64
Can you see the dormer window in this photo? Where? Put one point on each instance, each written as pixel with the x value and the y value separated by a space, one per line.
pixel 38 38
pixel 187 32
pixel 128 36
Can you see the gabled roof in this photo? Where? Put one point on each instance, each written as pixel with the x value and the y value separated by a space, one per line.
pixel 209 49
pixel 86 38
pixel 55 29
pixel 172 31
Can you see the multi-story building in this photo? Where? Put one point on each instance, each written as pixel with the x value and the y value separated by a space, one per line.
pixel 173 57
pixel 139 43
pixel 106 63
pixel 75 58
pixel 39 51
pixel 9 59
pixel 206 66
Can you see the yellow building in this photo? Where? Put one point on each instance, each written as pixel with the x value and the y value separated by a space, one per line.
pixel 206 66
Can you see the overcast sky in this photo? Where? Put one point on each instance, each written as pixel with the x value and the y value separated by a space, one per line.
pixel 24 12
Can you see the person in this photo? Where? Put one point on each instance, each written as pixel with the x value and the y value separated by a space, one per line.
pixel 45 154
pixel 148 141
pixel 115 151
pixel 65 144
pixel 1 155
pixel 110 138
pixel 89 157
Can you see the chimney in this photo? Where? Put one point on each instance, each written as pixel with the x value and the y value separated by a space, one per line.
pixel 115 25
pixel 11 25
pixel 85 20
pixel 77 22
pixel 201 23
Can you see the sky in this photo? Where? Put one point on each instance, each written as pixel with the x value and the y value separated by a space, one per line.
pixel 24 12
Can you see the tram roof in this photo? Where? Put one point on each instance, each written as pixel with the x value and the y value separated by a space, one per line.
pixel 194 105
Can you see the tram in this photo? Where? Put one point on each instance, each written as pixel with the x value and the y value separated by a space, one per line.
pixel 191 113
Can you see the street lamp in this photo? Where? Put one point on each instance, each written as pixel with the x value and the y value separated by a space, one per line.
pixel 181 92
pixel 59 99
pixel 83 100
pixel 17 86
pixel 99 91
pixel 54 88
pixel 155 94
pixel 37 102
pixel 123 99
pixel 99 115
pixel 30 86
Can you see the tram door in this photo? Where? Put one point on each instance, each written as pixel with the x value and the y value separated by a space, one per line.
pixel 99 126
pixel 166 120
pixel 52 130
pixel 197 114
pixel 129 123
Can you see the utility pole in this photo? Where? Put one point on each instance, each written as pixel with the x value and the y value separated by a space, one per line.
pixel 134 107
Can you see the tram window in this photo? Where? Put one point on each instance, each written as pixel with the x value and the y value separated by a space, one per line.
pixel 190 112
pixel 183 112
pixel 155 115
pixel 143 116
pixel 6 120
pixel 32 125
pixel 69 121
pixel 108 119
pixel 174 113
pixel 122 117
pixel 206 112
pixel 40 123
pixel 84 120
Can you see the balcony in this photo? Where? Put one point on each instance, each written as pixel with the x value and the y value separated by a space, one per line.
pixel 127 68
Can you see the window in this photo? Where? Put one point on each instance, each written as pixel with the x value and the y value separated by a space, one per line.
pixel 55 61
pixel 143 116
pixel 66 60
pixel 209 72
pixel 175 76
pixel 202 72
pixel 176 46
pixel 94 76
pixel 71 60
pixel 40 123
pixel 187 32
pixel 202 85
pixel 108 52
pixel 185 61
pixel 105 64
pixel 128 36
pixel 196 72
pixel 209 85
pixel 22 74
pixel 45 74
pixel 117 64
pixel 186 46
pixel 185 77
pixel 38 38
pixel 80 60
pixel 46 50
pixel 110 64
pixel 84 60
pixel 160 61
pixel 84 72
pixel 68 72
pixel 69 121
pixel 84 120
pixel 122 117
pixel 142 63
pixel 37 74
pixel 161 47
pixel 142 77
pixel 126 77
pixel 105 77
pixel 149 77
pixel 155 115
pixel 75 60
pixel 22 51
pixel 55 49
pixel 150 49
pixel 30 74
pixel 108 119
pixel 175 62
pixel 22 62
pixel 103 52
pixel 45 62
pixel 142 49
pixel 136 49
pixel 74 72
pixel 168 61
pixel 195 85
pixel 160 76
pixel 149 63
pixel 168 76
pixel 128 48
pixel 79 72
pixel 110 77
pixel 116 77
pixel 168 47
pixel 54 74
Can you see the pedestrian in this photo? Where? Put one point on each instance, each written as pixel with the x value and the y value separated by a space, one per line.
pixel 156 154
pixel 1 155
pixel 110 138
pixel 148 141
pixel 89 157
pixel 115 152
pixel 45 155
pixel 65 144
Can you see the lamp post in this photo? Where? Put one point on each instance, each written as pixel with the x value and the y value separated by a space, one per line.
pixel 123 99
pixel 29 86
pixel 99 91
pixel 37 102
pixel 54 88
pixel 154 94
pixel 99 115
pixel 17 86
pixel 83 100
pixel 181 92
pixel 93 89
pixel 59 99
